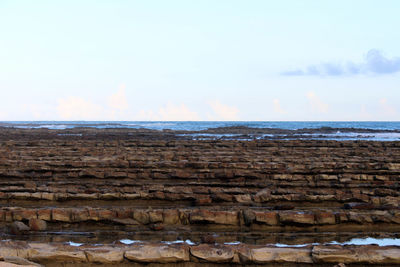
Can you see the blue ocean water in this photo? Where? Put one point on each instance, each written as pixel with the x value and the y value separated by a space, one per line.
pixel 203 125
pixel 390 129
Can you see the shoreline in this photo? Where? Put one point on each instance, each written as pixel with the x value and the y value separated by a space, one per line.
pixel 220 133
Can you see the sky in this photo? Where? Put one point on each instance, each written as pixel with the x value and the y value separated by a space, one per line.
pixel 258 60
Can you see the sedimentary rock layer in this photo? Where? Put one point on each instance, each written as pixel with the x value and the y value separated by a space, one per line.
pixel 53 254
pixel 156 183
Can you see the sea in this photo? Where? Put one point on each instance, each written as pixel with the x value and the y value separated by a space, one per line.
pixel 383 130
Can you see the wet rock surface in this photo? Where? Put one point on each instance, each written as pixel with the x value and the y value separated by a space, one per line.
pixel 105 185
pixel 182 253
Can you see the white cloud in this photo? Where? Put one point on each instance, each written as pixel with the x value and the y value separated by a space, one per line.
pixel 277 107
pixel 223 112
pixel 316 103
pixel 170 112
pixel 118 100
pixel 76 108
pixel 375 62
pixel 387 109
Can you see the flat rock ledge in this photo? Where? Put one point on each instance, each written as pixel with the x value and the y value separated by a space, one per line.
pixel 144 252
pixel 262 217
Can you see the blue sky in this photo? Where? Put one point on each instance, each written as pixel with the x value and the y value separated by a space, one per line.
pixel 199 60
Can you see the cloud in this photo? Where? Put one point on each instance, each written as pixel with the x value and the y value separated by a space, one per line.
pixel 374 63
pixel 118 100
pixel 223 112
pixel 277 107
pixel 170 112
pixel 316 103
pixel 76 108
pixel 386 108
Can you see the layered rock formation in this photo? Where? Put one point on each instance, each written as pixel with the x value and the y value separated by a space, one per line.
pixel 193 255
pixel 100 186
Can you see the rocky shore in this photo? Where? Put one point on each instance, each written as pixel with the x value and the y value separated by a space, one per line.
pixel 245 202
pixel 153 254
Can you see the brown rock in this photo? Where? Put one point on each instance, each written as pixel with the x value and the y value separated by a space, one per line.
pixel 93 214
pixel 58 253
pixel 24 214
pixel 127 221
pixel 80 215
pixel 124 213
pixel 274 254
pixel 249 217
pixel 293 217
pixel 266 217
pixel 18 261
pixel 203 200
pixel 158 253
pixel 325 218
pixel 14 249
pixel 106 215
pixel 359 217
pixel 44 214
pixel 213 253
pixel 105 255
pixel 37 225
pixel 18 228
pixel 216 217
pixel 156 216
pixel 62 215
pixel 356 254
pixel 9 264
pixel 171 216
pixel 48 196
pixel 263 195
pixel 243 198
pixel 141 216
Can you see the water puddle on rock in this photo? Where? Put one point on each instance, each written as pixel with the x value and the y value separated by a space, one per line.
pixel 74 244
pixel 370 241
pixel 291 239
pixel 355 241
pixel 382 242
pixel 129 242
